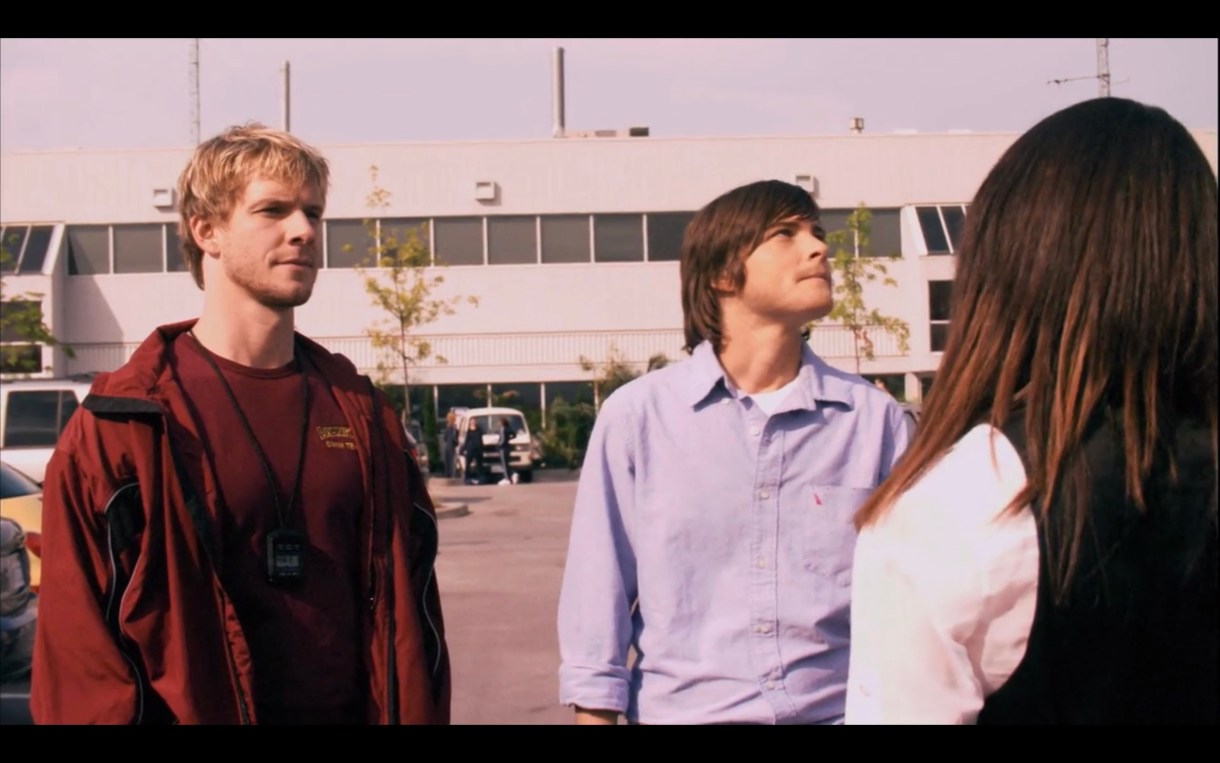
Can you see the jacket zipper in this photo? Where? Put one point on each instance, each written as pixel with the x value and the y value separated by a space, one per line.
pixel 112 610
pixel 198 521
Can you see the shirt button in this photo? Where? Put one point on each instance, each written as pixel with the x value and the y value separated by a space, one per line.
pixel 754 431
pixel 764 494
pixel 760 563
pixel 770 684
pixel 725 401
pixel 762 628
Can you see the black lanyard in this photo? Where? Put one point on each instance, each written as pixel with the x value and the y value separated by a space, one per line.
pixel 283 514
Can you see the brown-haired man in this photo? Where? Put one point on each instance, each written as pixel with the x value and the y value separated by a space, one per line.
pixel 233 528
pixel 712 535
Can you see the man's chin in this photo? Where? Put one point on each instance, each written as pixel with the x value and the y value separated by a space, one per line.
pixel 286 300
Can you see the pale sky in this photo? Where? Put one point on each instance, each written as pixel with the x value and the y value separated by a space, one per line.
pixel 116 93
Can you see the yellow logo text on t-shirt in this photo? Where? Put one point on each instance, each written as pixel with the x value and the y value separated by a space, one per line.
pixel 337 437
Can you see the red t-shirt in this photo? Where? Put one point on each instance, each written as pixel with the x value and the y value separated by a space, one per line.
pixel 303 638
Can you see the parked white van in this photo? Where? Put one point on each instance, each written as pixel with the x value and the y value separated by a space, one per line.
pixel 32 414
pixel 522 454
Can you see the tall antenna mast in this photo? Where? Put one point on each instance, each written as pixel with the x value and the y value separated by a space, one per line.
pixel 1103 66
pixel 1103 69
pixel 286 104
pixel 193 78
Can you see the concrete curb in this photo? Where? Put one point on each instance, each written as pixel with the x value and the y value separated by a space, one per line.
pixel 451 510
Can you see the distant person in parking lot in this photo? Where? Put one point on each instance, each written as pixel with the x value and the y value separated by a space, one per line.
pixel 712 533
pixel 234 530
pixel 472 452
pixel 505 445
pixel 449 438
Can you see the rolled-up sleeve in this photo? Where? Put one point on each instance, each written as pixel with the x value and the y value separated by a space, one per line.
pixel 599 581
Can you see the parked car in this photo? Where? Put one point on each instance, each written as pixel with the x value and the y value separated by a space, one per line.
pixel 415 434
pixel 21 503
pixel 32 414
pixel 20 575
pixel 523 454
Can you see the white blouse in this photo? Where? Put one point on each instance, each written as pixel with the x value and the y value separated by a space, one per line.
pixel 943 590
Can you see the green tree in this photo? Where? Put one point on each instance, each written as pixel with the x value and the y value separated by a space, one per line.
pixel 400 279
pixel 566 435
pixel 569 425
pixel 615 371
pixel 854 265
pixel 22 326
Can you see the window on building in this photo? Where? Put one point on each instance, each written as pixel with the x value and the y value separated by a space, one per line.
pixel 833 220
pixel 21 353
pixel 88 250
pixel 565 238
pixel 20 358
pixel 459 240
pixel 174 261
pixel 348 244
pixel 941 226
pixel 139 248
pixel 934 235
pixel 938 313
pixel 24 247
pixel 19 315
pixel 512 240
pixel 955 220
pixel 618 238
pixel 12 242
pixel 665 232
pixel 885 236
pixel 398 231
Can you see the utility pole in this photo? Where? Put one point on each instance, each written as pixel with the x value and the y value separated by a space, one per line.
pixel 193 78
pixel 1103 66
pixel 285 73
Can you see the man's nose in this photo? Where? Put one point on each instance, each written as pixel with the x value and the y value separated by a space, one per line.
pixel 302 229
pixel 814 246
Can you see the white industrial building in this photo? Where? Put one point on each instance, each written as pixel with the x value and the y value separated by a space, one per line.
pixel 569 244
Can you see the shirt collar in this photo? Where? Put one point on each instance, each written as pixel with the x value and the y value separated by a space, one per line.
pixel 818 381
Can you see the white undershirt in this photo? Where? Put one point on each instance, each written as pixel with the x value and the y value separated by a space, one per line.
pixel 769 401
pixel 943 591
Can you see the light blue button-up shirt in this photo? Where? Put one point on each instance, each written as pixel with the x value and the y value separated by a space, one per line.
pixel 709 567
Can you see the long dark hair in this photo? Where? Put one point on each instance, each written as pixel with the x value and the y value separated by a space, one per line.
pixel 1085 286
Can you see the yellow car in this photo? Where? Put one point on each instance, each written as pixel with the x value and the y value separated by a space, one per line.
pixel 21 502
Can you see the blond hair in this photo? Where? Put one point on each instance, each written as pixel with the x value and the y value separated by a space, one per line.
pixel 220 169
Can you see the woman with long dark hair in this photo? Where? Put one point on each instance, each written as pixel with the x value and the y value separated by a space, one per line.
pixel 1045 551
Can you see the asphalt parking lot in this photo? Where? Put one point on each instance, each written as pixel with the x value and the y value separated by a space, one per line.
pixel 499 568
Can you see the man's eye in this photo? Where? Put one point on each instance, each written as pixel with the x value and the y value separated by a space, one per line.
pixel 784 231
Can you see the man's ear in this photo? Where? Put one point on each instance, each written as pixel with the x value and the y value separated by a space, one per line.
pixel 206 234
pixel 723 284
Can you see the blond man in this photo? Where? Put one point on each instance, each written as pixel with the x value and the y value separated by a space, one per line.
pixel 234 529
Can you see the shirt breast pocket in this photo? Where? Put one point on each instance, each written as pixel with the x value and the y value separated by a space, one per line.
pixel 830 537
